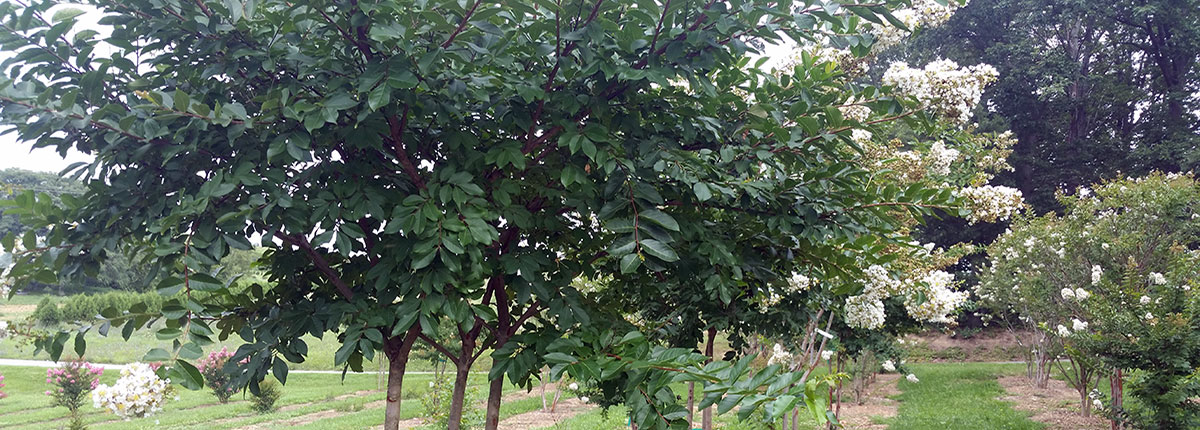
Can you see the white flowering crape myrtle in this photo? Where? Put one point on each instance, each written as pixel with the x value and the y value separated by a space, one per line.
pixel 866 310
pixel 138 393
pixel 943 86
pixel 922 14
pixel 991 203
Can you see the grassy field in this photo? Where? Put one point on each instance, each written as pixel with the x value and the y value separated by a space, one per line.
pixel 955 396
pixel 958 396
pixel 310 401
pixel 949 395
pixel 115 349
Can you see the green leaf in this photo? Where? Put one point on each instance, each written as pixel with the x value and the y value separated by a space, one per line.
pixel 340 101
pixel 661 218
pixel 65 14
pixel 280 369
pixel 191 351
pixel 80 344
pixel 204 282
pixel 379 97
pixel 660 250
pixel 156 354
pixel 630 262
pixel 702 191
pixel 186 375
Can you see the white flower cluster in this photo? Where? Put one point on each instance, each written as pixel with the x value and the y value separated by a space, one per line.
pixel 1095 396
pixel 795 284
pixel 826 355
pixel 940 299
pixel 854 111
pixel 1076 294
pixel 779 356
pixel 137 394
pixel 3 329
pixel 1157 278
pixel 798 283
pixel 991 203
pixel 861 137
pixel 943 86
pixel 1063 331
pixel 923 13
pixel 879 282
pixel 889 366
pixel 846 60
pixel 864 311
pixel 941 157
pixel 1097 273
pixel 1078 325
pixel 912 378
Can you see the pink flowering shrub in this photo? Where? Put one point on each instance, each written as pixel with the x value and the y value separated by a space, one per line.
pixel 2 395
pixel 70 384
pixel 215 376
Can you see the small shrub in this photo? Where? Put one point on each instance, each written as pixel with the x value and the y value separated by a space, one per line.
pixel 950 353
pixel 71 382
pixel 47 312
pixel 437 400
pixel 2 395
pixel 268 393
pixel 216 377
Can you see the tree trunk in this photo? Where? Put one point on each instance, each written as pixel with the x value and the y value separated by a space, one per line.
pixel 1085 406
pixel 1117 385
pixel 463 370
pixel 495 392
pixel 397 350
pixel 543 395
pixel 706 418
pixel 691 405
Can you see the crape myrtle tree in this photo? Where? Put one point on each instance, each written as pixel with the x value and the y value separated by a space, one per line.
pixel 412 164
pixel 1111 284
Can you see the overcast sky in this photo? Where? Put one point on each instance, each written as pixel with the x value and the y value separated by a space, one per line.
pixel 18 154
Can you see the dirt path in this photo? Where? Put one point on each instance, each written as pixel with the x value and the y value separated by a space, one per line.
pixel 295 406
pixel 411 423
pixel 567 408
pixel 1056 406
pixel 877 404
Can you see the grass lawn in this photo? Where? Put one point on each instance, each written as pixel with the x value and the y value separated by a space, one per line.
pixel 351 404
pixel 949 396
pixel 958 396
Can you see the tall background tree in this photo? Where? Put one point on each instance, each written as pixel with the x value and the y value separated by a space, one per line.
pixel 1091 90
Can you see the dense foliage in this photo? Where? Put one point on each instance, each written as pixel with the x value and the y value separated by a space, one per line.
pixel 410 166
pixel 1110 282
pixel 86 307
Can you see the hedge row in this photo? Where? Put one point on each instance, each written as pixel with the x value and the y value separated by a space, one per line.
pixel 86 307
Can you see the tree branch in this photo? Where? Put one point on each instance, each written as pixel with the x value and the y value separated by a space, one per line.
pixel 318 260
pixel 437 346
pixel 396 127
pixel 462 24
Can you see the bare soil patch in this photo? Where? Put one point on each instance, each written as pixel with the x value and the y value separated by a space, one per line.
pixel 992 344
pixel 1056 406
pixel 877 404
pixel 566 409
